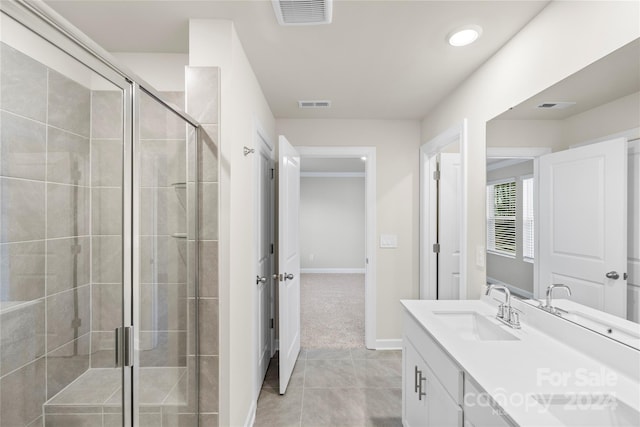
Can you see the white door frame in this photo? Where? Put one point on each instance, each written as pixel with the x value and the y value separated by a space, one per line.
pixel 370 219
pixel 261 136
pixel 531 153
pixel 428 211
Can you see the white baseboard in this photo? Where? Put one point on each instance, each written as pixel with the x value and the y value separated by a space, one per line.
pixel 332 270
pixel 395 344
pixel 251 416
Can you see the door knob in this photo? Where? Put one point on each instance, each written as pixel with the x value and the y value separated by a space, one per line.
pixel 613 275
pixel 288 276
pixel 259 280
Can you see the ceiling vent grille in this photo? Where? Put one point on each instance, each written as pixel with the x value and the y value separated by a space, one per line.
pixel 314 104
pixel 303 12
pixel 555 105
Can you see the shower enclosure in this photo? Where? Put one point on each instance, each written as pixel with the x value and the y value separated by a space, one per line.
pixel 98 226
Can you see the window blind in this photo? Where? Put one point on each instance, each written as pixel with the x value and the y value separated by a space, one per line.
pixel 528 223
pixel 501 218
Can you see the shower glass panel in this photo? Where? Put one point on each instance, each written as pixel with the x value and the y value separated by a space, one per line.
pixel 62 148
pixel 164 223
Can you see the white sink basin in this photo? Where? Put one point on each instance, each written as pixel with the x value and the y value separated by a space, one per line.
pixel 590 410
pixel 471 325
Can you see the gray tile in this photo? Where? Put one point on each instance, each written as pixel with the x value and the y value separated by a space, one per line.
pixel 275 410
pixel 163 348
pixel 69 105
pixel 106 259
pixel 363 353
pixel 209 160
pixel 157 383
pixel 68 263
pixel 94 387
pixel 333 407
pixel 66 364
pixel 209 383
pixel 68 157
pixel 162 210
pixel 106 306
pixel 202 93
pixel 73 420
pixel 22 212
pixel 23 147
pixel 208 280
pixel 157 121
pixel 21 335
pixel 163 260
pixel 329 373
pixel 106 211
pixel 68 316
pixel 71 409
pixel 272 377
pixel 208 316
pixel 23 84
pixel 208 211
pixel 68 209
pixel 208 420
pixel 23 267
pixel 379 373
pixel 106 114
pixel 38 422
pixel 383 407
pixel 102 349
pixel 28 393
pixel 191 326
pixel 328 353
pixel 106 163
pixel 163 162
pixel 163 307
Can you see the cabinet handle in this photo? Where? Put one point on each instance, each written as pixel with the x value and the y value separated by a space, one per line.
pixel 416 375
pixel 422 393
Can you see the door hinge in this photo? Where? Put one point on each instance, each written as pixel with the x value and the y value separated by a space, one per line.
pixel 436 248
pixel 271 323
pixel 436 175
pixel 273 173
pixel 272 249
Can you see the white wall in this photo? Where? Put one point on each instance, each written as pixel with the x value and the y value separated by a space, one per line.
pixel 163 71
pixel 397 145
pixel 564 38
pixel 242 107
pixel 332 223
pixel 513 271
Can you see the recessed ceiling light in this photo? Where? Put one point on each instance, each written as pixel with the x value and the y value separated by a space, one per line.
pixel 465 35
pixel 364 159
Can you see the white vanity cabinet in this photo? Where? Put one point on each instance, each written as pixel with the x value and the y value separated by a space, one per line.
pixel 425 401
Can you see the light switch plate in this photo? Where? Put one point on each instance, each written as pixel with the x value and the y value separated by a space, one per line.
pixel 388 240
pixel 480 256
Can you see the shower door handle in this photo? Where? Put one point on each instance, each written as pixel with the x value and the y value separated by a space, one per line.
pixel 124 346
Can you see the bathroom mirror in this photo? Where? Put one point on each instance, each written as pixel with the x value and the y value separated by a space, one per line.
pixel 563 197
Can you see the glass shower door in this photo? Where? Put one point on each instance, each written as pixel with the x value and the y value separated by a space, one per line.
pixel 64 138
pixel 165 380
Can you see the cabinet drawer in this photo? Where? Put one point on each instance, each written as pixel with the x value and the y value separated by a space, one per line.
pixel 477 410
pixel 448 373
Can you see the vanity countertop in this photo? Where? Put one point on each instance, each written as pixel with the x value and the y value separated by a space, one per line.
pixel 514 372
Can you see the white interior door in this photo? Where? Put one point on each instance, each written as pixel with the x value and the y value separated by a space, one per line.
pixel 288 259
pixel 264 259
pixel 583 223
pixel 449 227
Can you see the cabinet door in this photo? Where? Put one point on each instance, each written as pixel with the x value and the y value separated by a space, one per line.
pixel 441 409
pixel 414 406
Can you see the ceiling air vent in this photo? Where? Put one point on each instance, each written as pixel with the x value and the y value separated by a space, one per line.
pixel 314 104
pixel 555 105
pixel 303 12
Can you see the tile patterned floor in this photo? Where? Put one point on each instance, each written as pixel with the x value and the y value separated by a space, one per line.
pixel 335 387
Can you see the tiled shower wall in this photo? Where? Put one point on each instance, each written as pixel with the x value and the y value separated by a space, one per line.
pixel 202 103
pixel 44 235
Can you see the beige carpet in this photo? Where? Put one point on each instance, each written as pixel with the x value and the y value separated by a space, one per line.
pixel 332 310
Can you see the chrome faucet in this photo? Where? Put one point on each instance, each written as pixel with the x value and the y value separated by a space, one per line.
pixel 506 314
pixel 548 306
